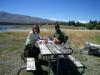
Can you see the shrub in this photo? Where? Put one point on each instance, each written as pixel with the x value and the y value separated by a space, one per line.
pixel 90 26
pixel 98 27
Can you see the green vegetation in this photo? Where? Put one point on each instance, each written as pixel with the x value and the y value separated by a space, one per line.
pixel 90 25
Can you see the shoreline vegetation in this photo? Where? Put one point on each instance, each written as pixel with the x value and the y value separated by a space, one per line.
pixel 12 44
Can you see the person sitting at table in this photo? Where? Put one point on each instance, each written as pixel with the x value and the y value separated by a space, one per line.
pixel 59 36
pixel 32 49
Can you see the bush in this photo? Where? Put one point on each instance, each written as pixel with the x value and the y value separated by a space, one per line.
pixel 90 26
pixel 98 27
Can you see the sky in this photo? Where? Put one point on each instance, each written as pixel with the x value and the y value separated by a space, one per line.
pixel 61 10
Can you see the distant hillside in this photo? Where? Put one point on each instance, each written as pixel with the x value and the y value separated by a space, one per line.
pixel 8 18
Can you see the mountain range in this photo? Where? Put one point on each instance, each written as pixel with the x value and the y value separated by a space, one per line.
pixel 9 18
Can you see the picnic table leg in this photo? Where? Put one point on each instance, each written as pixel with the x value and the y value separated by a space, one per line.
pixel 57 65
pixel 49 63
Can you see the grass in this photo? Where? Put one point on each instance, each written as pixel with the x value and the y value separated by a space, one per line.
pixel 79 37
pixel 12 44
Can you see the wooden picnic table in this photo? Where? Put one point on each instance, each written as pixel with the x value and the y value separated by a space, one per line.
pixel 55 52
pixel 50 49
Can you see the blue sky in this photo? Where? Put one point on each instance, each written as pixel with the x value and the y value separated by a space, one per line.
pixel 65 10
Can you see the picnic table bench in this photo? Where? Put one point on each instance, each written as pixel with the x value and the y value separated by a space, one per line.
pixel 77 65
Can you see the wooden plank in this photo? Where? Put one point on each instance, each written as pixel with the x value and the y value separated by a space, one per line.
pixel 31 64
pixel 44 50
pixel 76 62
pixel 62 49
pixel 53 49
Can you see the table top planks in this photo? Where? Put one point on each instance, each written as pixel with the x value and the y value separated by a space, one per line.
pixel 52 49
pixel 44 50
pixel 62 49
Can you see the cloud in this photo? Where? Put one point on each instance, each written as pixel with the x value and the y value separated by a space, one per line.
pixel 53 19
pixel 83 21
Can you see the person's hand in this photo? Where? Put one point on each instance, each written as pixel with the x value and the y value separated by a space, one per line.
pixel 56 41
pixel 46 40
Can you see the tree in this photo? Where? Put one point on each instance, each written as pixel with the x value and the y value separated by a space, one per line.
pixel 90 26
pixel 72 23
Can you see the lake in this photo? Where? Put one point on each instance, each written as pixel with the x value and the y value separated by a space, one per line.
pixel 3 28
pixel 6 28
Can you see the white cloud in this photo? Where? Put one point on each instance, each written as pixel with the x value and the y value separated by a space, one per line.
pixel 53 19
pixel 83 21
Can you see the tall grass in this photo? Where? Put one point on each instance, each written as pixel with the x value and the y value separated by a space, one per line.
pixel 77 37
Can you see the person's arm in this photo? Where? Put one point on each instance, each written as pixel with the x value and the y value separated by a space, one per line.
pixel 28 39
pixel 56 38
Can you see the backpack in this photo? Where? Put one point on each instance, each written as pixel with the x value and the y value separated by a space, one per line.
pixel 31 51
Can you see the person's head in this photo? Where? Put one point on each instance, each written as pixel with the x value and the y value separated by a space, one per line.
pixel 36 29
pixel 57 27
